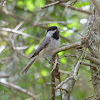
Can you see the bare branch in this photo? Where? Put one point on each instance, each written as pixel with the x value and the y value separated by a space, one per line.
pixel 77 69
pixel 18 88
pixel 54 3
pixel 4 76
pixel 89 97
pixel 18 32
pixel 80 10
pixel 48 22
pixel 66 80
pixel 64 48
pixel 91 65
pixel 93 59
pixel 73 8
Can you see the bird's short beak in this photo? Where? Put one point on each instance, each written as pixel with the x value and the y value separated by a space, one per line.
pixel 58 30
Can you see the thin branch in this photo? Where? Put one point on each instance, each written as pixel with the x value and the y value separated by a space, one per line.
pixel 93 59
pixel 66 80
pixel 74 45
pixel 80 10
pixel 48 22
pixel 77 69
pixel 18 32
pixel 7 13
pixel 89 97
pixel 73 8
pixel 21 48
pixel 75 56
pixel 91 65
pixel 4 76
pixel 64 48
pixel 54 3
pixel 18 89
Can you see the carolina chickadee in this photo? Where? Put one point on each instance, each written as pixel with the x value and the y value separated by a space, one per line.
pixel 50 43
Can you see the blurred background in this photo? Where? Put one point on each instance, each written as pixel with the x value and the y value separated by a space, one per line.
pixel 23 26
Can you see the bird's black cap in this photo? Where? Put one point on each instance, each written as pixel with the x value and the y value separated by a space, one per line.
pixel 52 28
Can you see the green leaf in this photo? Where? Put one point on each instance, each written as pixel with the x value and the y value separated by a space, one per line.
pixel 30 5
pixel 82 4
pixel 39 3
pixel 20 3
pixel 63 60
pixel 44 72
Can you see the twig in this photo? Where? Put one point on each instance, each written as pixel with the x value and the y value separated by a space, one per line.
pixel 19 25
pixel 91 65
pixel 18 89
pixel 66 80
pixel 54 3
pixel 64 48
pixel 21 48
pixel 75 56
pixel 77 69
pixel 7 13
pixel 4 76
pixel 74 8
pixel 93 59
pixel 18 32
pixel 89 97
pixel 80 10
pixel 48 22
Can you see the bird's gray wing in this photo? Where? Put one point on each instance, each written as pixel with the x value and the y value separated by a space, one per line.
pixel 43 45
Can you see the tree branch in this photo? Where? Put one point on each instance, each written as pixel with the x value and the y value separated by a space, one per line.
pixel 18 32
pixel 4 76
pixel 66 80
pixel 54 3
pixel 73 8
pixel 77 69
pixel 18 89
pixel 93 59
pixel 74 45
pixel 64 48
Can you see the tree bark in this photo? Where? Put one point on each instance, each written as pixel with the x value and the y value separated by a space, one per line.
pixel 94 43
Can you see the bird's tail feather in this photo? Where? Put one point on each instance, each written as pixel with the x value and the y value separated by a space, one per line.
pixel 24 71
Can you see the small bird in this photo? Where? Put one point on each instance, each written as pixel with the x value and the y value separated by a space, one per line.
pixel 50 43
